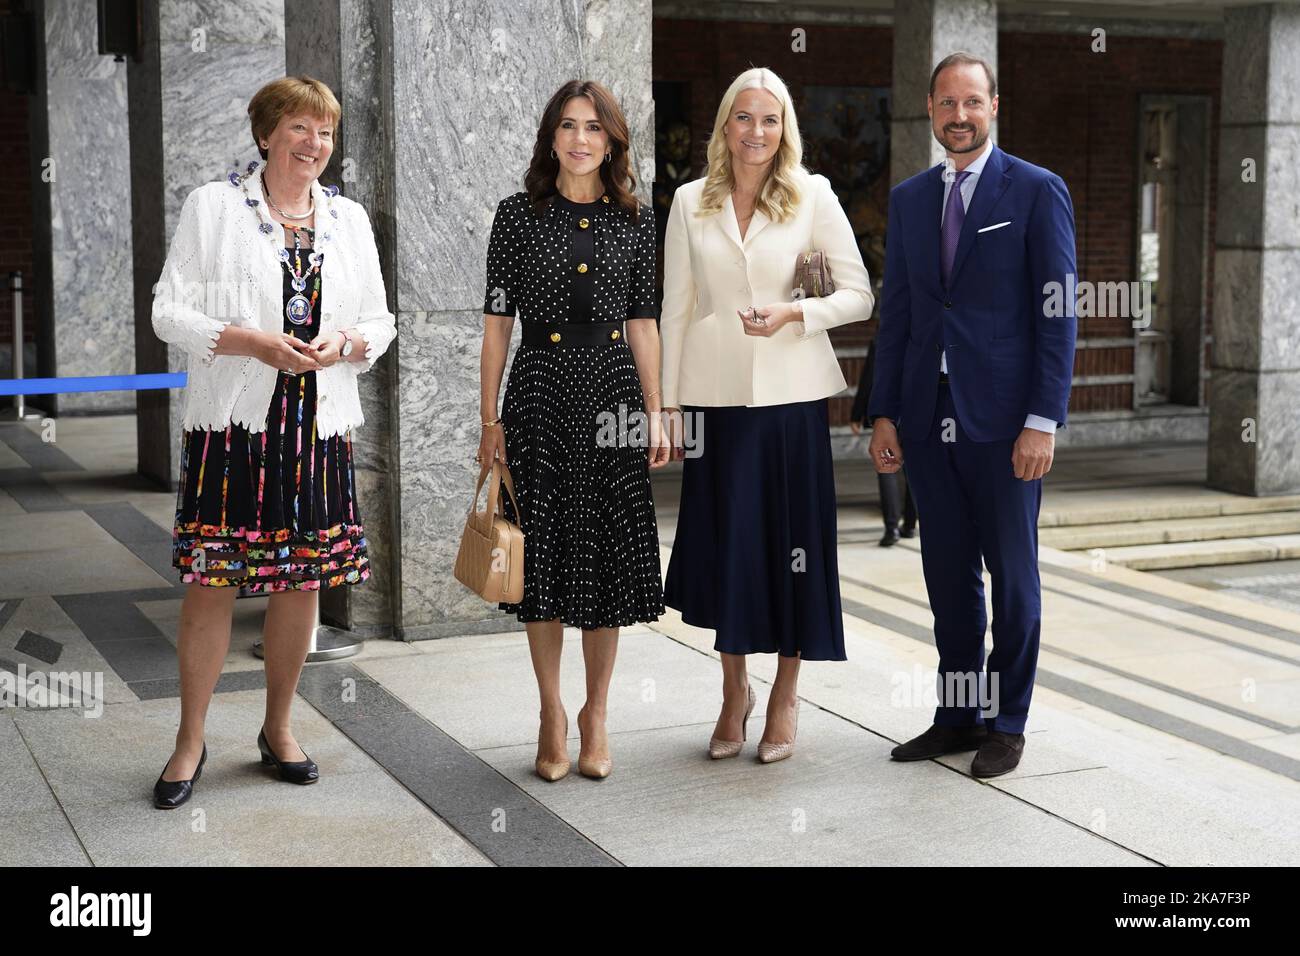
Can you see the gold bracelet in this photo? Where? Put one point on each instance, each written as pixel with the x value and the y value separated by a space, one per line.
pixel 495 421
pixel 652 394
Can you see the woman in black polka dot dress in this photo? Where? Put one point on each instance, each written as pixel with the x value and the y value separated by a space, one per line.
pixel 579 428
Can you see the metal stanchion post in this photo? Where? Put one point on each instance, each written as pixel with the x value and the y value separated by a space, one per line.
pixel 327 643
pixel 20 412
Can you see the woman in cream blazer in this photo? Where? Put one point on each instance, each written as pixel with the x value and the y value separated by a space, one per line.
pixel 749 365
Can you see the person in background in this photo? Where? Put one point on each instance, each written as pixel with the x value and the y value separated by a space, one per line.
pixel 895 495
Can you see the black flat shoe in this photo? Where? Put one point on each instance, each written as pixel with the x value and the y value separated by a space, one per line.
pixel 302 771
pixel 999 754
pixel 890 539
pixel 940 740
pixel 170 794
pixel 907 531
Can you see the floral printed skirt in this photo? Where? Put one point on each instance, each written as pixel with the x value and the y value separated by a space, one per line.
pixel 272 510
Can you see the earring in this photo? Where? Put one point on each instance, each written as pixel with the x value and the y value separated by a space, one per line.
pixel 607 157
pixel 553 156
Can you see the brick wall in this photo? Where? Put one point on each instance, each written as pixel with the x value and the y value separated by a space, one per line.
pixel 1076 112
pixel 1061 106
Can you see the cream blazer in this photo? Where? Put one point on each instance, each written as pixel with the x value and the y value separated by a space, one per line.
pixel 221 269
pixel 710 272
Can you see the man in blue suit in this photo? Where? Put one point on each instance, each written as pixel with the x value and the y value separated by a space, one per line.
pixel 974 359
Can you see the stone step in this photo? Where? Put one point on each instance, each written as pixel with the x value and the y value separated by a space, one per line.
pixel 1126 505
pixel 1198 554
pixel 1170 531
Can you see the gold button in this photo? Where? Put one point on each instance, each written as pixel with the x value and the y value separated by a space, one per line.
pixel 584 223
pixel 614 334
pixel 604 199
pixel 582 267
pixel 555 336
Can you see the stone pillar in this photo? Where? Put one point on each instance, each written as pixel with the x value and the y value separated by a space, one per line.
pixel 440 106
pixel 82 230
pixel 347 45
pixel 1255 377
pixel 201 62
pixel 925 31
pixel 469 80
pixel 440 109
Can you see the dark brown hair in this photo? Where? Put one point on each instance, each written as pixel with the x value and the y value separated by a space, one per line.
pixel 616 174
pixel 963 57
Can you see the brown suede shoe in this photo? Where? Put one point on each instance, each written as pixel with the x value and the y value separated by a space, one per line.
pixel 999 754
pixel 940 740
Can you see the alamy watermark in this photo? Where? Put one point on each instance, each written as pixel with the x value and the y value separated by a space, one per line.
pixel 68 690
pixel 926 688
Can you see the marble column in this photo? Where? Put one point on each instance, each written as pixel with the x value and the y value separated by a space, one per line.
pixel 346 44
pixel 469 80
pixel 925 31
pixel 1255 364
pixel 440 108
pixel 81 189
pixel 201 62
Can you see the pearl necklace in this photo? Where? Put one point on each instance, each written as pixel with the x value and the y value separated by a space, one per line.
pixel 311 207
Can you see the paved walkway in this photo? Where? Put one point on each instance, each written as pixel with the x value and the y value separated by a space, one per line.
pixel 1165 726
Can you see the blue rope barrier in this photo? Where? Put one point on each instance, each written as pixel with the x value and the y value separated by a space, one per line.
pixel 92 383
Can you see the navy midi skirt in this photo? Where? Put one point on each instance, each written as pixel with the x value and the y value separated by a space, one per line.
pixel 754 555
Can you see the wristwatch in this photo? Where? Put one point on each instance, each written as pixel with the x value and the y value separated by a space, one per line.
pixel 347 343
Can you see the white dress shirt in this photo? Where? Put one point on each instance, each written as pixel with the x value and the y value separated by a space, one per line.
pixel 1036 422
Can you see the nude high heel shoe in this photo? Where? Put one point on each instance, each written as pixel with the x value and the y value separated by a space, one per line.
pixel 721 749
pixel 553 770
pixel 771 753
pixel 596 769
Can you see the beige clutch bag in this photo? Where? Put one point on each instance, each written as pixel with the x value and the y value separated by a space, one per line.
pixel 812 274
pixel 491 558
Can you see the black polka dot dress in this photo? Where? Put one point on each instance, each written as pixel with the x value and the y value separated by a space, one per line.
pixel 591 544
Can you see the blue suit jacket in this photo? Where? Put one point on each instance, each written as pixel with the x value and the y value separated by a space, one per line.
pixel 1007 355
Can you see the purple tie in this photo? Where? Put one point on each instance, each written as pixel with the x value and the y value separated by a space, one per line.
pixel 953 216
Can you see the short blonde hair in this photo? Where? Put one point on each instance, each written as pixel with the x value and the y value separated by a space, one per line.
pixel 289 96
pixel 779 196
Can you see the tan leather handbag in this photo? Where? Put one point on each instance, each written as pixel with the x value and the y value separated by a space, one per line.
pixel 812 274
pixel 491 558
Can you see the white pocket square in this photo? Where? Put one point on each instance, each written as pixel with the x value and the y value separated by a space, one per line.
pixel 996 226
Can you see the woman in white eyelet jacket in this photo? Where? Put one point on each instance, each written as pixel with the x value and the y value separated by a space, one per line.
pixel 213 245
pixel 750 366
pixel 273 291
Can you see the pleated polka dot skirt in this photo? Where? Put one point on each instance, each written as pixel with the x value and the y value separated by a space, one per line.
pixel 591 542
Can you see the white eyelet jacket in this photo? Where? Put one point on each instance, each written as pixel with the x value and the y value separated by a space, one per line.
pixel 221 269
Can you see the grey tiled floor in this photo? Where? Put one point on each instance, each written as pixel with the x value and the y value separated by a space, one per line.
pixel 1164 728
